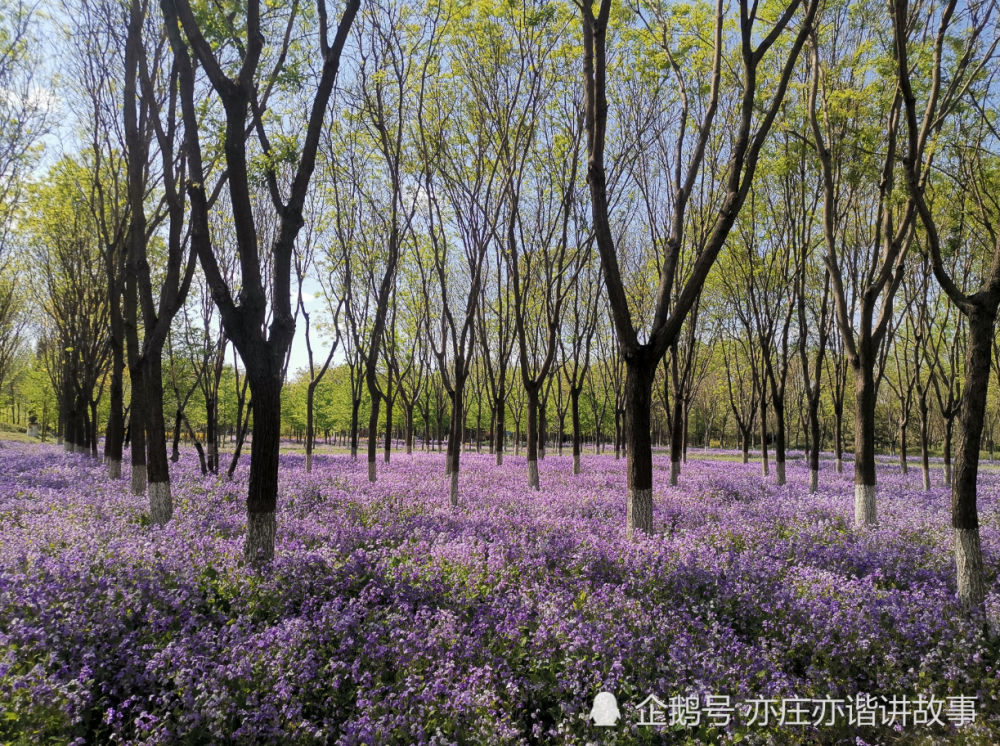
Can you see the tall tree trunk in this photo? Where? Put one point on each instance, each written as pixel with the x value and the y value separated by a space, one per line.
pixel 115 434
pixel 971 415
pixel 865 512
pixel 838 437
pixel 533 437
pixel 778 404
pixel 175 453
pixel 814 442
pixel 949 428
pixel 262 497
pixel 455 436
pixel 676 438
pixel 574 399
pixel 925 460
pixel 388 428
pixel 137 426
pixel 157 466
pixel 69 407
pixel 903 468
pixel 310 396
pixel 764 465
pixel 373 434
pixel 355 408
pixel 212 433
pixel 501 426
pixel 638 447
pixel 543 426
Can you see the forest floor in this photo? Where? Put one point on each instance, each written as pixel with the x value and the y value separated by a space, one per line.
pixel 389 617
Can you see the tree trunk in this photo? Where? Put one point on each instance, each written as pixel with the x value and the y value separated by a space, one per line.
pixel 949 427
pixel 262 497
pixel 310 395
pixel 638 448
pixel 778 404
pixel 676 438
pixel 574 398
pixel 543 427
pixel 764 466
pixel 903 468
pixel 815 444
pixel 925 460
pixel 388 429
pixel 355 407
pixel 971 415
pixel 137 426
pixel 212 433
pixel 157 466
pixel 115 433
pixel 838 437
pixel 175 453
pixel 501 426
pixel 373 434
pixel 865 512
pixel 533 437
pixel 408 434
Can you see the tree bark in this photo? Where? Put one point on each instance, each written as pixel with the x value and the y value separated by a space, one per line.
pixel 971 418
pixel 865 513
pixel 638 447
pixel 533 437
pixel 262 497
pixel 574 395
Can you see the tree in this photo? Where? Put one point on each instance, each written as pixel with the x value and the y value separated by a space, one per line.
pixel 642 358
pixel 941 97
pixel 263 350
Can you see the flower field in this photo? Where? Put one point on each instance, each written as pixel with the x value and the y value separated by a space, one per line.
pixel 388 618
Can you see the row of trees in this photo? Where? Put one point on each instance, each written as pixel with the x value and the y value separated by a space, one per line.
pixel 504 203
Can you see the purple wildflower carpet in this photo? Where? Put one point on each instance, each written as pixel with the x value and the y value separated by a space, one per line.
pixel 389 618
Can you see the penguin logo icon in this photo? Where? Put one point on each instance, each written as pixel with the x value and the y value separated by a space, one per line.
pixel 605 710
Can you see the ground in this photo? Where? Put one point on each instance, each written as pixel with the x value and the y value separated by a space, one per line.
pixel 390 618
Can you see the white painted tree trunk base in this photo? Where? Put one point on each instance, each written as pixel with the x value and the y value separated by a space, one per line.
pixel 161 505
pixel 840 466
pixel 926 480
pixel 372 472
pixel 258 549
pixel 904 468
pixel 675 472
pixel 387 457
pixel 354 454
pixel 453 490
pixel 533 474
pixel 80 449
pixel 59 441
pixel 409 449
pixel 779 472
pixel 947 475
pixel 969 568
pixel 765 468
pixel 309 462
pixel 576 464
pixel 500 458
pixel 114 468
pixel 68 447
pixel 813 481
pixel 638 513
pixel 138 479
pixel 864 505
